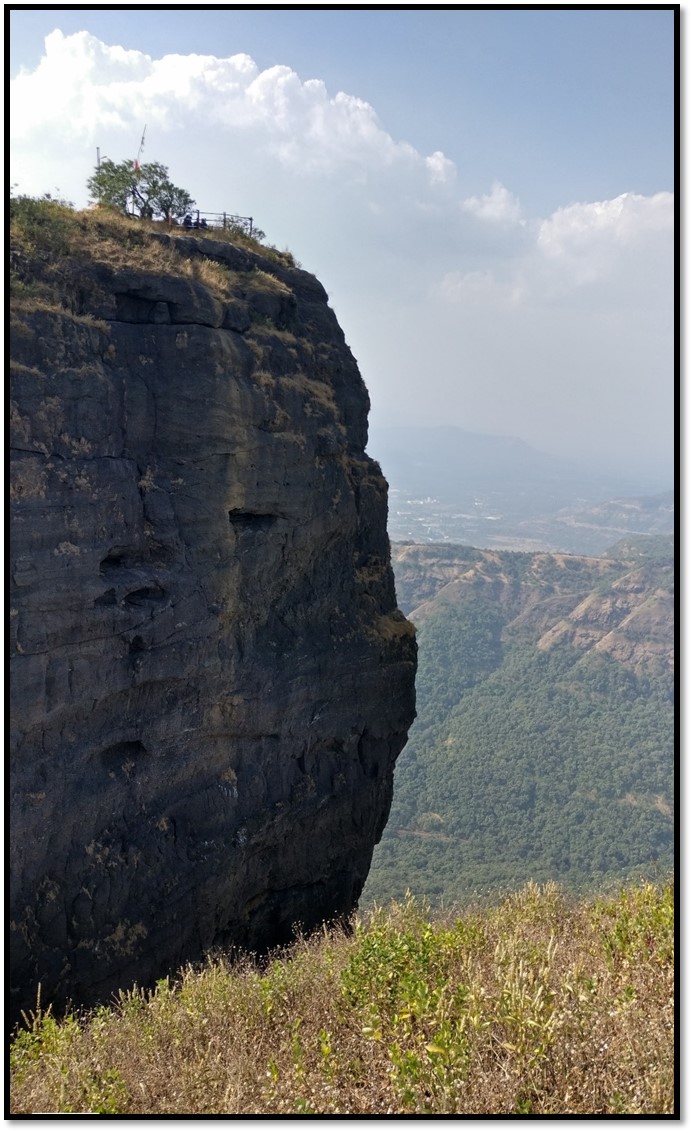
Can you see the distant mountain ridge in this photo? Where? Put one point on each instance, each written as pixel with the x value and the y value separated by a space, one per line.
pixel 447 484
pixel 644 514
pixel 617 608
pixel 432 456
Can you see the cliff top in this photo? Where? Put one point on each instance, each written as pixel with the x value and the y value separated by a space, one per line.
pixel 49 240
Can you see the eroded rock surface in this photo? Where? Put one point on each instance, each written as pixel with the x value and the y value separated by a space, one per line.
pixel 211 681
pixel 607 606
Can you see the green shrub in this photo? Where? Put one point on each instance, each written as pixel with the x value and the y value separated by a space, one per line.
pixel 541 1005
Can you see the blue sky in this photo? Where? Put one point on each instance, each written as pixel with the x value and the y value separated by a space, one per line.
pixel 486 194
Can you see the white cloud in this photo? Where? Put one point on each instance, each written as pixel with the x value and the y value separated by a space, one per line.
pixel 441 169
pixel 614 253
pixel 629 238
pixel 625 219
pixel 82 86
pixel 498 205
pixel 459 310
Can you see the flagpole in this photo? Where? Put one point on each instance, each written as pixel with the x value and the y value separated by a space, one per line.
pixel 141 143
pixel 137 166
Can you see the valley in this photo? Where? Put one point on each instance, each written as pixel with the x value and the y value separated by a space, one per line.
pixel 448 485
pixel 543 748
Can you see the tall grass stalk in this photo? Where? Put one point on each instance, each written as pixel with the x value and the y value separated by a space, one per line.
pixel 540 1005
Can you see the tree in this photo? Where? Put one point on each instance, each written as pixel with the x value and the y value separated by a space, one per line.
pixel 139 190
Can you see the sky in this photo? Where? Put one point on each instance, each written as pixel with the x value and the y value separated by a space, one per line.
pixel 487 195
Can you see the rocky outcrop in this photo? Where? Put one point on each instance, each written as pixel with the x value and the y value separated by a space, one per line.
pixel 211 681
pixel 606 606
pixel 632 622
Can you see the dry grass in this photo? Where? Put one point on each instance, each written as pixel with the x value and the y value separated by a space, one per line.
pixel 43 302
pixel 124 247
pixel 389 627
pixel 265 281
pixel 539 1006
pixel 52 232
pixel 20 368
pixel 316 394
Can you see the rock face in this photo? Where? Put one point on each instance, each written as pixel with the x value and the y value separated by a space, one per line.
pixel 633 622
pixel 606 606
pixel 211 681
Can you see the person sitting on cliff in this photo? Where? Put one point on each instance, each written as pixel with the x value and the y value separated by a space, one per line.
pixel 187 221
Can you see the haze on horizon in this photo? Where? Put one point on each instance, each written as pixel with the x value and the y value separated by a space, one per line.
pixel 487 195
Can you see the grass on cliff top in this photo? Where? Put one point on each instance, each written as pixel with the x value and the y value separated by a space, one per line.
pixel 46 229
pixel 540 1005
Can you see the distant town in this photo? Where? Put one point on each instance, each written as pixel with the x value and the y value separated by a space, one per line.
pixel 583 528
pixel 429 520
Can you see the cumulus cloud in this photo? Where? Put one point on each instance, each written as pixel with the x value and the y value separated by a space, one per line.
pixel 498 205
pixel 573 335
pixel 604 240
pixel 440 167
pixel 463 310
pixel 576 228
pixel 613 250
pixel 82 86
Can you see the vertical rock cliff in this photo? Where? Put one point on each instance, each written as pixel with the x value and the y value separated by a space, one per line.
pixel 211 681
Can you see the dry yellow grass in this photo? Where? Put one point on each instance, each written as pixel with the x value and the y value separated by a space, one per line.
pixel 107 237
pixel 265 281
pixel 539 1006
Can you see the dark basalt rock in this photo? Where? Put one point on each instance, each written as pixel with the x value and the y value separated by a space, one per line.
pixel 210 679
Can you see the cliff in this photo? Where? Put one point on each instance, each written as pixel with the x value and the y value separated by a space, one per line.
pixel 210 679
pixel 620 608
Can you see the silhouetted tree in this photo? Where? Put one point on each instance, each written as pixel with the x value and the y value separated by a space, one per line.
pixel 141 190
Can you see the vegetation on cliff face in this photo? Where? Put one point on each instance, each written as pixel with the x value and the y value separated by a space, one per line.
pixel 543 747
pixel 540 1005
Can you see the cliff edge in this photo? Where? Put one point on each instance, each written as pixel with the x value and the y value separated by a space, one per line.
pixel 210 678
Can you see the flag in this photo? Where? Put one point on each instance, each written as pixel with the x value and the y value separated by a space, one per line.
pixel 138 171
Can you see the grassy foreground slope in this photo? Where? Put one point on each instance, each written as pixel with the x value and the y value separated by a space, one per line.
pixel 541 1005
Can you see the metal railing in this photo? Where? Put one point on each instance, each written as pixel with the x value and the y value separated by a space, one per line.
pixel 225 220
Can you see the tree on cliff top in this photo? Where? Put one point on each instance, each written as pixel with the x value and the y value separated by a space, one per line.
pixel 140 190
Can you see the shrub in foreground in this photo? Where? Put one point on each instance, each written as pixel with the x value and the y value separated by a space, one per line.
pixel 539 1006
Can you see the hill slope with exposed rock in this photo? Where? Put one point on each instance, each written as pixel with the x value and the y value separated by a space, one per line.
pixel 544 744
pixel 618 607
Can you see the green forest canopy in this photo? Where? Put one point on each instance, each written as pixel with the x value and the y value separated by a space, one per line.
pixel 525 763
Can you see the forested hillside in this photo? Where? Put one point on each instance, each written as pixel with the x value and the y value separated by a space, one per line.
pixel 543 747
